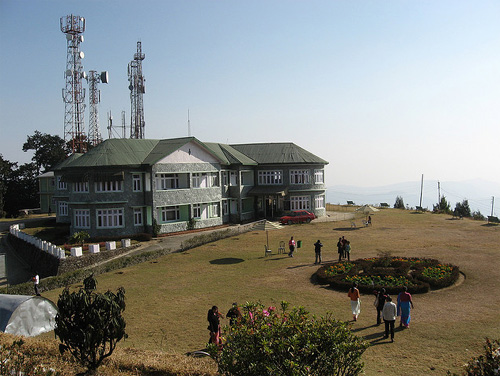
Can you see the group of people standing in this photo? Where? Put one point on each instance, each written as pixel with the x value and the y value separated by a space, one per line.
pixel 387 310
pixel 214 326
pixel 344 249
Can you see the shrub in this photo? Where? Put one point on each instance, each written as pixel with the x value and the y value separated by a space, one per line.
pixel 90 324
pixel 462 209
pixel 478 216
pixel 288 343
pixel 399 204
pixel 487 364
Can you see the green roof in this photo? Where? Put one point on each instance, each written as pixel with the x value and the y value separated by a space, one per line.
pixel 229 154
pixel 67 161
pixel 117 152
pixel 135 152
pixel 276 153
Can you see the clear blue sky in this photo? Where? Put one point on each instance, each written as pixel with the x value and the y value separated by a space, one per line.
pixel 383 90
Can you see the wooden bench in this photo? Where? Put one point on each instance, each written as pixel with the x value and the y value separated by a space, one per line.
pixel 350 202
pixel 384 205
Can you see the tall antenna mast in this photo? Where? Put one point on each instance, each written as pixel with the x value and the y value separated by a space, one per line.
pixel 74 94
pixel 189 125
pixel 124 127
pixel 94 98
pixel 137 90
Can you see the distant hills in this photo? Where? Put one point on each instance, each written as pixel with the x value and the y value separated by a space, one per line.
pixel 478 192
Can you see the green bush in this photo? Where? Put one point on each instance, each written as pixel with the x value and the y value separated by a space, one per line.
pixel 288 343
pixel 90 324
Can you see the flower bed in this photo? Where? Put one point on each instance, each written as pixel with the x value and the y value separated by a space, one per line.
pixel 392 273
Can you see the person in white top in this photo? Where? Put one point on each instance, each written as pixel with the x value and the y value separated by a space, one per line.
pixel 389 313
pixel 36 281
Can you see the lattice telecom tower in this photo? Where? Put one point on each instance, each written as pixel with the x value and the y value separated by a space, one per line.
pixel 74 94
pixel 94 98
pixel 137 90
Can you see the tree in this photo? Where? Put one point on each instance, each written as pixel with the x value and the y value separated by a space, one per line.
pixel 399 204
pixel 49 150
pixel 90 324
pixel 6 168
pixel 22 189
pixel 462 209
pixel 442 206
pixel 288 343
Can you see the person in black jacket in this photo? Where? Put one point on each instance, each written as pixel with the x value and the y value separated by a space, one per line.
pixel 317 251
pixel 380 299
pixel 213 317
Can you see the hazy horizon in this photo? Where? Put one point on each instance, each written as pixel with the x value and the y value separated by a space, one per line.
pixel 478 192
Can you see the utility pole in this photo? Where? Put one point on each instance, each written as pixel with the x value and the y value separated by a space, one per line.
pixel 439 193
pixel 492 204
pixel 421 189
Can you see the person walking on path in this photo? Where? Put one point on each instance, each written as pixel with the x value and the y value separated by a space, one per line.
pixel 353 294
pixel 379 303
pixel 389 313
pixel 405 304
pixel 213 317
pixel 340 248
pixel 317 251
pixel 291 246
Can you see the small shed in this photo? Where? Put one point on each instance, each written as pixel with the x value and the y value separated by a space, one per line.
pixel 26 315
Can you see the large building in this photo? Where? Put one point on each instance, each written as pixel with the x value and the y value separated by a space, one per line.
pixel 129 186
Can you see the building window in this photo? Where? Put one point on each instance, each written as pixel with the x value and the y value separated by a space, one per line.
pixel 82 218
pixel 169 213
pixel 196 211
pixel 225 207
pixel 109 186
pixel 214 210
pixel 319 201
pixel 319 176
pixel 232 178
pixel 270 177
pixel 136 183
pixel 300 203
pixel 198 180
pixel 61 184
pixel 63 208
pixel 299 176
pixel 81 187
pixel 138 217
pixel 213 179
pixel 167 181
pixel 110 218
pixel 225 177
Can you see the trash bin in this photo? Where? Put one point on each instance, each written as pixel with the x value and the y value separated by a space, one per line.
pixel 299 243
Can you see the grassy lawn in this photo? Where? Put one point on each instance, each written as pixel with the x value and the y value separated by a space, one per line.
pixel 167 299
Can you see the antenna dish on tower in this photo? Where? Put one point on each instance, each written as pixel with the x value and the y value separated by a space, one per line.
pixel 104 77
